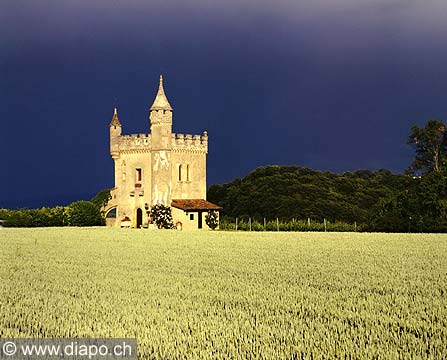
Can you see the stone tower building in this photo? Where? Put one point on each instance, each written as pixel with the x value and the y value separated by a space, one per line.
pixel 158 168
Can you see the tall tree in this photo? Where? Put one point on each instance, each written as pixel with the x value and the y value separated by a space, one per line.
pixel 421 207
pixel 430 144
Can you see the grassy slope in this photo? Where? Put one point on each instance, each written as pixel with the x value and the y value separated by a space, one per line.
pixel 222 294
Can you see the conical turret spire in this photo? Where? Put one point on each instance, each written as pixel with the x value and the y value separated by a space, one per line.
pixel 115 121
pixel 161 101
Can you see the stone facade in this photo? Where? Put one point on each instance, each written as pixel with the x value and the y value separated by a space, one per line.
pixel 156 168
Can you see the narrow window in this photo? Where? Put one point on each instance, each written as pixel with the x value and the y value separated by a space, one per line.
pixel 187 172
pixel 124 176
pixel 180 172
pixel 138 174
pixel 191 216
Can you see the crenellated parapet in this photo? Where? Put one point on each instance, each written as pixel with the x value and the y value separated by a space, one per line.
pixel 135 143
pixel 141 143
pixel 190 143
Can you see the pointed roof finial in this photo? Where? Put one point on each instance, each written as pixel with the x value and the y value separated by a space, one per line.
pixel 161 101
pixel 115 121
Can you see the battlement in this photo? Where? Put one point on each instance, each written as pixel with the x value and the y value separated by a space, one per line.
pixel 179 142
pixel 135 142
pixel 188 142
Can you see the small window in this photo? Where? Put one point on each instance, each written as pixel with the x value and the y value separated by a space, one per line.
pixel 187 172
pixel 191 216
pixel 124 176
pixel 180 172
pixel 138 174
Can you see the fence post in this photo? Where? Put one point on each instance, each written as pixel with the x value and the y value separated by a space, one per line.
pixel 308 221
pixel 236 224
pixel 249 221
pixel 264 224
pixel 325 228
pixel 277 224
pixel 355 226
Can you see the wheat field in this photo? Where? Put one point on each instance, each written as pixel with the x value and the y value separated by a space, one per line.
pixel 228 295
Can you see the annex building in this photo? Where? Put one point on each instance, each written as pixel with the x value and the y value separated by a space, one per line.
pixel 158 168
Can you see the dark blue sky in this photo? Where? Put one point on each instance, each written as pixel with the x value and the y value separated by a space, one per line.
pixel 329 84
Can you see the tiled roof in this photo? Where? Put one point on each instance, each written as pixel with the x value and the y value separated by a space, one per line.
pixel 194 204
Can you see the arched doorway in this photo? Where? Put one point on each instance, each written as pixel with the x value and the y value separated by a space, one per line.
pixel 139 218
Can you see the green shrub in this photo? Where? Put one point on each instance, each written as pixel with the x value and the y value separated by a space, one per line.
pixel 84 213
pixel 227 225
pixel 162 216
pixel 212 219
pixel 257 226
pixel 43 217
pixel 19 218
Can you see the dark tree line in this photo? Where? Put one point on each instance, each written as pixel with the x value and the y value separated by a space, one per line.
pixel 380 201
pixel 422 204
pixel 287 192
pixel 78 213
